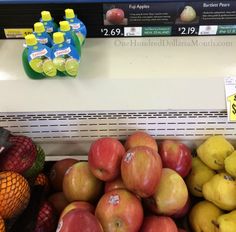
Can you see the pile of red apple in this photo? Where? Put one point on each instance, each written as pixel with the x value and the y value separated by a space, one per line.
pixel 138 186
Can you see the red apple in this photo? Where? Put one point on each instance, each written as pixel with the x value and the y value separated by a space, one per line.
pixel 82 205
pixel 119 210
pixel 115 16
pixel 141 170
pixel 104 158
pixel 182 212
pixel 176 156
pixel 79 220
pixel 158 224
pixel 141 139
pixel 114 184
pixel 20 156
pixel 79 184
pixel 58 201
pixel 57 172
pixel 171 195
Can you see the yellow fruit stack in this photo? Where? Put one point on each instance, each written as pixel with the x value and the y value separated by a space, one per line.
pixel 213 178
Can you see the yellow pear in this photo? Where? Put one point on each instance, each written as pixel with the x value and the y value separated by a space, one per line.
pixel 221 190
pixel 230 164
pixel 203 216
pixel 214 151
pixel 227 222
pixel 198 176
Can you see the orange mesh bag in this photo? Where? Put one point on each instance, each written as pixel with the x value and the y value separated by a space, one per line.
pixel 14 194
pixel 42 180
pixel 2 225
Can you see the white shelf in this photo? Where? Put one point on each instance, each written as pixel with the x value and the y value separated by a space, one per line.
pixel 117 74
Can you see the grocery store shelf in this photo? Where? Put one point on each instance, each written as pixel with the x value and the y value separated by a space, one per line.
pixel 62 1
pixel 126 74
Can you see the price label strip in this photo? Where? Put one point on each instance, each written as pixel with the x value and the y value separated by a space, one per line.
pixel 230 91
pixel 17 32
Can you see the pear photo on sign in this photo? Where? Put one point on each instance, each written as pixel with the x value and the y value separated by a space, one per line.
pixel 187 15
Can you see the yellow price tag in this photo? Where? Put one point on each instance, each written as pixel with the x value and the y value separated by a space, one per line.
pixel 17 32
pixel 230 93
pixel 232 112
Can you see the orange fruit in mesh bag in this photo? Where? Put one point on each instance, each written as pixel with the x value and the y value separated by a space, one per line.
pixel 14 194
pixel 42 180
pixel 2 225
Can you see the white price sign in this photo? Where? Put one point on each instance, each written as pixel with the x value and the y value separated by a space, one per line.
pixel 230 92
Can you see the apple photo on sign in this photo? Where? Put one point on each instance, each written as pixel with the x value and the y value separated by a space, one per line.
pixel 187 15
pixel 115 16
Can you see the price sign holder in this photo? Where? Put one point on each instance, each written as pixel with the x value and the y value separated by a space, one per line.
pixel 230 92
pixel 125 18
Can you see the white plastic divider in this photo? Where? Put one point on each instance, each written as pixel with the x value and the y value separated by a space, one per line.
pixel 71 133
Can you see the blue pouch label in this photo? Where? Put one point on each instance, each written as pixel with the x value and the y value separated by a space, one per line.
pixel 62 52
pixel 44 38
pixel 66 59
pixel 68 37
pixel 40 60
pixel 38 54
pixel 75 26
pixel 38 51
pixel 79 28
pixel 49 26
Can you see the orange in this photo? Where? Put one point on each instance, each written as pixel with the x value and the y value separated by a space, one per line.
pixel 14 194
pixel 2 225
pixel 42 180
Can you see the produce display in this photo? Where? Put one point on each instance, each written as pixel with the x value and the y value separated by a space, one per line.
pixel 137 185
